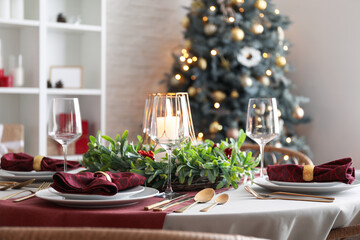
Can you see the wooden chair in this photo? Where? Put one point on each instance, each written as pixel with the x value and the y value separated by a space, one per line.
pixel 296 157
pixel 76 233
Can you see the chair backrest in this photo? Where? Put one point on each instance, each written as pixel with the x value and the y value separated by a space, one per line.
pixel 295 156
pixel 72 233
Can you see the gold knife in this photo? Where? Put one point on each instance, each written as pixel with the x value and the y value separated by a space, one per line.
pixel 173 204
pixel 163 202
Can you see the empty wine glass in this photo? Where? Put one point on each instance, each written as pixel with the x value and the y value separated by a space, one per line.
pixel 169 126
pixel 262 123
pixel 65 123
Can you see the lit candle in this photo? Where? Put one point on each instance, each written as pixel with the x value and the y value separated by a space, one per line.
pixel 167 127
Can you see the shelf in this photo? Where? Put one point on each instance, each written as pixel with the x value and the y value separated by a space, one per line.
pixel 19 90
pixel 74 92
pixel 73 27
pixel 18 23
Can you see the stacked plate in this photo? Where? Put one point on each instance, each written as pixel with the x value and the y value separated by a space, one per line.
pixel 303 187
pixel 26 175
pixel 122 198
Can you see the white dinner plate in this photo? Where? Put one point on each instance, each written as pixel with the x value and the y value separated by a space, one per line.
pixel 119 195
pixel 39 176
pixel 305 184
pixel 262 182
pixel 46 194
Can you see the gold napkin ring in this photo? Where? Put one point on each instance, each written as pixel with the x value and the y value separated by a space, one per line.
pixel 308 173
pixel 107 176
pixel 37 162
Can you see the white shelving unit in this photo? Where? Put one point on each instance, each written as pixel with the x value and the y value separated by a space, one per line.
pixel 43 43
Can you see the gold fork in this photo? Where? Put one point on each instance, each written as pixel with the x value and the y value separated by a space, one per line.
pixel 43 186
pixel 46 184
pixel 266 196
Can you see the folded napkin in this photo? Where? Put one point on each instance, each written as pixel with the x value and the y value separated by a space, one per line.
pixel 25 162
pixel 335 171
pixel 95 183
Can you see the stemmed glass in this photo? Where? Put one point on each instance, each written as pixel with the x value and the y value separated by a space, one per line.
pixel 262 123
pixel 65 123
pixel 169 126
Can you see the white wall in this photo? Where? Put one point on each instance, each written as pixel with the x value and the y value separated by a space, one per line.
pixel 326 49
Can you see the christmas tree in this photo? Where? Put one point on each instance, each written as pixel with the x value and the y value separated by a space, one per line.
pixel 235 50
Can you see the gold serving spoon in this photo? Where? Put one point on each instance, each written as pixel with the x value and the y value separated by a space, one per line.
pixel 203 196
pixel 18 185
pixel 221 199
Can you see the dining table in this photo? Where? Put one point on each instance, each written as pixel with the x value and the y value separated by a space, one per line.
pixel 243 214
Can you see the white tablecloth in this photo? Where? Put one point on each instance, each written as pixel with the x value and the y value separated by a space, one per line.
pixel 273 219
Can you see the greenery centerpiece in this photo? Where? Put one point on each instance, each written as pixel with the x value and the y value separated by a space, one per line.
pixel 219 164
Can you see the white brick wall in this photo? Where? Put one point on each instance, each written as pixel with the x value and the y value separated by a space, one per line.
pixel 141 36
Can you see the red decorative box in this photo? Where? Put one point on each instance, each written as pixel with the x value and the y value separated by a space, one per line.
pixel 6 81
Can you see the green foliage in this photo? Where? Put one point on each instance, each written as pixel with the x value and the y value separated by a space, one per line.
pixel 189 162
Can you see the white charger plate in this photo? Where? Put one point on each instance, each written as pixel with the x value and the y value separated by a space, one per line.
pixel 305 184
pixel 263 182
pixel 119 195
pixel 23 176
pixel 46 194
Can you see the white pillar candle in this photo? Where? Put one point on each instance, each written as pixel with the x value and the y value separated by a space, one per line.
pixel 167 128
pixel 17 9
pixel 4 9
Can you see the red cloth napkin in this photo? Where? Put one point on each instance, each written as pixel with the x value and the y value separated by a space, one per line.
pixel 95 183
pixel 335 171
pixel 24 162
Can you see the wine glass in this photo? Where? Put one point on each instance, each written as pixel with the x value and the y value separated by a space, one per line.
pixel 169 126
pixel 262 123
pixel 65 123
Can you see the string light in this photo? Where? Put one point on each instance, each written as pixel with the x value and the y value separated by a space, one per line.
pixel 268 72
pixel 182 59
pixel 212 8
pixel 213 52
pixel 285 48
pixel 261 15
pixel 241 10
pixel 231 19
pixel 189 60
pixel 286 157
pixel 205 18
pixel 220 127
pixel 288 139
pixel 184 51
pixel 194 59
pixel 177 76
pixel 265 55
pixel 200 136
pixel 186 55
pixel 217 105
pixel 186 67
pixel 193 77
pixel 277 11
pixel 279 113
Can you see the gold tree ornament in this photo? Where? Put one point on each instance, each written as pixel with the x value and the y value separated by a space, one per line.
pixel 280 61
pixel 298 113
pixel 246 81
pixel 260 4
pixel 237 1
pixel 202 63
pixel 215 127
pixel 192 91
pixel 232 133
pixel 174 81
pixel 185 22
pixel 264 80
pixel 257 28
pixel 219 95
pixel 234 94
pixel 210 29
pixel 187 44
pixel 197 5
pixel 237 34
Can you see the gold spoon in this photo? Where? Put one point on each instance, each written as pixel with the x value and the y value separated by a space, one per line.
pixel 203 196
pixel 221 199
pixel 18 185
